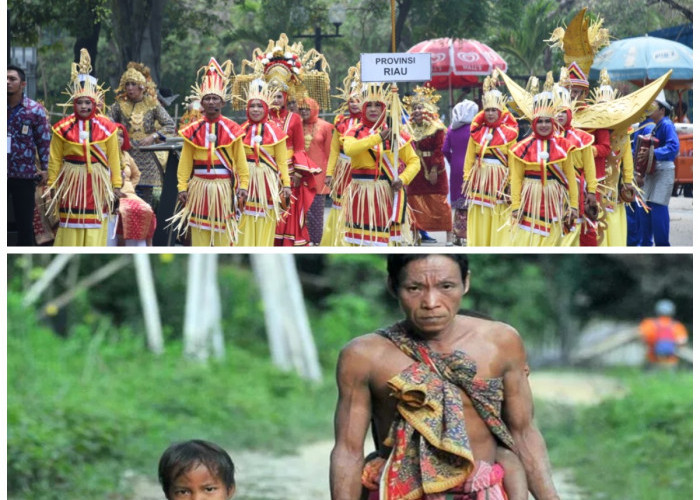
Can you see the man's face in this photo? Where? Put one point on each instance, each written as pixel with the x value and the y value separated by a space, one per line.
pixel 544 126
pixel 211 105
pixel 84 107
pixel 657 112
pixel 491 115
pixel 134 91
pixel 14 83
pixel 199 483
pixel 578 93
pixel 430 292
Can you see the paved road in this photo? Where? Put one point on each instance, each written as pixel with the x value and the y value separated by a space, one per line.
pixel 680 212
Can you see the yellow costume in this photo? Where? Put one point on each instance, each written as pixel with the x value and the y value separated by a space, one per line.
pixel 84 166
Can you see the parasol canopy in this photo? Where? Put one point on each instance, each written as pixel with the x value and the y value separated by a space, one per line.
pixel 645 58
pixel 458 62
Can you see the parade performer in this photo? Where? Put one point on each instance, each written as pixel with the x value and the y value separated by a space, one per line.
pixel 454 150
pixel 493 131
pixel 84 171
pixel 147 122
pixel 427 193
pixel 580 41
pixel 544 193
pixel 269 188
pixel 618 184
pixel 338 168
pixel 137 222
pixel 289 70
pixel 212 167
pixel 318 135
pixel 374 204
pixel 582 159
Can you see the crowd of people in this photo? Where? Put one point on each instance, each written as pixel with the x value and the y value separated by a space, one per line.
pixel 385 172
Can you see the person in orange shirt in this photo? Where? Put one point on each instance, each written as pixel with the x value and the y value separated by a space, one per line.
pixel 318 134
pixel 663 335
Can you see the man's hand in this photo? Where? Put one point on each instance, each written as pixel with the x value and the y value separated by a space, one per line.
pixel 570 219
pixel 385 133
pixel 433 176
pixel 182 197
pixel 328 181
pixel 396 184
pixel 147 141
pixel 43 177
pixel 296 180
pixel 286 196
pixel 590 206
pixel 242 195
pixel 639 180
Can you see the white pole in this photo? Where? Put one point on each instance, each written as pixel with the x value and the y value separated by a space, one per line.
pixel 50 273
pixel 193 316
pixel 149 303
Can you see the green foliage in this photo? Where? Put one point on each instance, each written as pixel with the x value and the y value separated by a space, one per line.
pixel 639 446
pixel 82 409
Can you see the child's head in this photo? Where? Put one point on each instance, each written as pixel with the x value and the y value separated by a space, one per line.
pixel 196 466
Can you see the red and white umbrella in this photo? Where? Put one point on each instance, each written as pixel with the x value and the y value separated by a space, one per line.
pixel 458 62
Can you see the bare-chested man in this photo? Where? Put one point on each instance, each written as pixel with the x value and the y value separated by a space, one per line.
pixel 446 413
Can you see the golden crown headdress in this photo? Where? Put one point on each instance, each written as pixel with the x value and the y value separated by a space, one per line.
pixel 493 98
pixel 580 43
pixel 375 92
pixel 259 89
pixel 141 74
pixel 288 68
pixel 604 92
pixel 545 103
pixel 82 83
pixel 425 96
pixel 215 80
pixel 352 87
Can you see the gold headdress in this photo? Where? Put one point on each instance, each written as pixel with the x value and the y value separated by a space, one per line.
pixel 215 80
pixel 604 92
pixel 352 87
pixel 424 95
pixel 545 103
pixel 580 43
pixel 288 68
pixel 82 83
pixel 141 74
pixel 259 89
pixel 493 98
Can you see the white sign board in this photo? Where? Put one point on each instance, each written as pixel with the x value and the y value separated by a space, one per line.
pixel 395 67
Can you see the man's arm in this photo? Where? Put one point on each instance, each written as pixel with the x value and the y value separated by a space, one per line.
pixel 518 412
pixel 352 417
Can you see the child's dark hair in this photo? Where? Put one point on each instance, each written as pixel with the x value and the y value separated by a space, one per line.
pixel 182 457
pixel 395 264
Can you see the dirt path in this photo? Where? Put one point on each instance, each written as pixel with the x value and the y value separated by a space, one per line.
pixel 262 476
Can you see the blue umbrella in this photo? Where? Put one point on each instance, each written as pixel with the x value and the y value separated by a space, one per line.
pixel 644 58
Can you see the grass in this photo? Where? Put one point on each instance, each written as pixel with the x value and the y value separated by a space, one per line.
pixel 637 447
pixel 84 408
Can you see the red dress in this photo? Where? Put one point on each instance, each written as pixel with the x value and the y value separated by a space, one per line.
pixel 292 229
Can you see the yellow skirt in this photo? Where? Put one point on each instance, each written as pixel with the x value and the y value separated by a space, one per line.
pixel 79 237
pixel 333 230
pixel 208 238
pixel 257 231
pixel 572 239
pixel 615 235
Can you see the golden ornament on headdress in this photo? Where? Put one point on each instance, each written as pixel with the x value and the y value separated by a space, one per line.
pixel 141 74
pixel 215 80
pixel 425 96
pixel 604 92
pixel 579 41
pixel 259 89
pixel 492 97
pixel 82 84
pixel 288 68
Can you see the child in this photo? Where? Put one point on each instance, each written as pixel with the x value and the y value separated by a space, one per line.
pixel 196 469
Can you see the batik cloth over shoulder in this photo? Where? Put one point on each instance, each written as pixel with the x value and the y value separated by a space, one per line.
pixel 431 452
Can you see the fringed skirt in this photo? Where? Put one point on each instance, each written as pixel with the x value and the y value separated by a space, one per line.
pixel 367 213
pixel 209 210
pixel 539 220
pixel 486 184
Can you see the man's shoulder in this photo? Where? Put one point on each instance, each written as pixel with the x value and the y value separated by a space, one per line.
pixel 489 330
pixel 368 346
pixel 34 107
